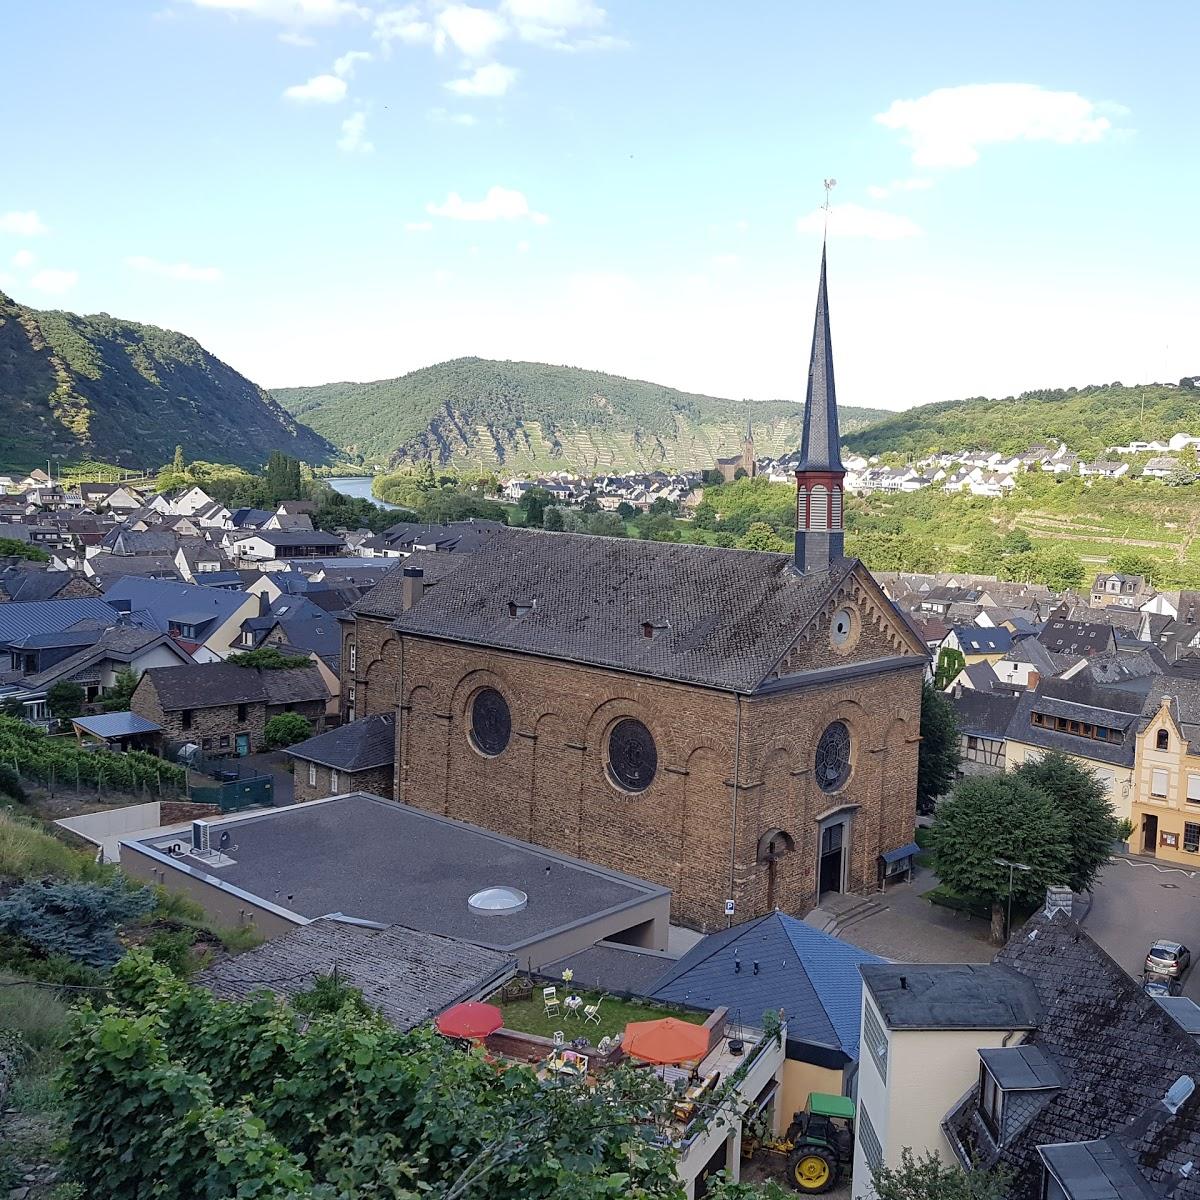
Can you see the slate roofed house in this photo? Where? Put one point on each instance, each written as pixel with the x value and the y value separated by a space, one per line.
pixel 979 644
pixel 123 541
pixel 249 518
pixel 406 975
pixel 779 963
pixel 460 537
pixel 983 719
pixel 267 545
pixel 357 757
pixel 199 617
pixel 1116 588
pixel 225 708
pixel 1077 637
pixel 22 581
pixel 106 569
pixel 22 619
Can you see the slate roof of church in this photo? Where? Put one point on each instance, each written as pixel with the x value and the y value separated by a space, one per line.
pixel 385 599
pixel 726 617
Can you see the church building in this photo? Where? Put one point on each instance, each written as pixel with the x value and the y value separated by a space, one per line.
pixel 734 725
pixel 744 462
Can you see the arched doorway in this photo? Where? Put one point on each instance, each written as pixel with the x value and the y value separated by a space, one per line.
pixel 774 845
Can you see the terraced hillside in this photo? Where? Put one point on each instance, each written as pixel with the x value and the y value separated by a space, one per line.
pixel 535 417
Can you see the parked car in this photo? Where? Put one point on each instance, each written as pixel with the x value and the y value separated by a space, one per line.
pixel 1168 958
pixel 1160 985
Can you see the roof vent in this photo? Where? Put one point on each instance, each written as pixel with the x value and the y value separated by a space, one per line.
pixel 521 608
pixel 497 901
pixel 653 629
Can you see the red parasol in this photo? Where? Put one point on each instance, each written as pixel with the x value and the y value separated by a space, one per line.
pixel 472 1020
pixel 668 1040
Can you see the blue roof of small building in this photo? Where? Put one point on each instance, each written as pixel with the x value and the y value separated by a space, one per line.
pixel 812 977
pixel 19 619
pixel 118 724
pixel 906 851
pixel 975 639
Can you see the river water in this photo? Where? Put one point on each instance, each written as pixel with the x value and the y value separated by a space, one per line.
pixel 358 486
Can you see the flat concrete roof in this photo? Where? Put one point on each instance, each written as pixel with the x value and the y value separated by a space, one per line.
pixel 379 861
pixel 951 996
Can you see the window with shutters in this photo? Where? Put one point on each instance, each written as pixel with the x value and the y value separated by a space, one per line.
pixel 312 774
pixel 872 1150
pixel 876 1040
pixel 1193 789
pixel 1158 783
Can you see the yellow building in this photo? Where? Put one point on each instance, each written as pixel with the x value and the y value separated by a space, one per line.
pixel 1166 799
pixel 1094 726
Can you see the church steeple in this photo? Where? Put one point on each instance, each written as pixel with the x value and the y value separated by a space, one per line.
pixel 819 477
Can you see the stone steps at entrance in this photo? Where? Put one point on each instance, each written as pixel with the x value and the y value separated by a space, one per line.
pixel 842 911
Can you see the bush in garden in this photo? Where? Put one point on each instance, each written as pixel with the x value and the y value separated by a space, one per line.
pixel 76 920
pixel 286 730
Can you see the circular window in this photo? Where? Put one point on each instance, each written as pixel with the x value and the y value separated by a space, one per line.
pixel 632 756
pixel 833 757
pixel 841 628
pixel 491 722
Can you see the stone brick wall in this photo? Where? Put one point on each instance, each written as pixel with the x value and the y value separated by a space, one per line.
pixel 171 812
pixel 376 674
pixel 212 724
pixel 688 830
pixel 375 779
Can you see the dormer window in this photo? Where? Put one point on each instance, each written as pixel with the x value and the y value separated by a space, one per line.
pixel 1162 740
pixel 991 1102
pixel 520 608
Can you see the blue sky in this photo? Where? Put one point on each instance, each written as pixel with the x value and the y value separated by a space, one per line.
pixel 349 189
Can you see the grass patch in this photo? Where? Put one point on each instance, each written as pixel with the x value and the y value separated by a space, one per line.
pixel 26 852
pixel 529 1016
pixel 36 1014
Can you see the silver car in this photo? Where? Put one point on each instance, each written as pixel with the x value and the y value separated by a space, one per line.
pixel 1168 958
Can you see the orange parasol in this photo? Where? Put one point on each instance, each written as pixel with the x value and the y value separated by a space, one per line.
pixel 668 1040
pixel 471 1020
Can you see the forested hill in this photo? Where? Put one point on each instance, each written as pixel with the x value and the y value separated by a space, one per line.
pixel 101 388
pixel 1088 419
pixel 530 416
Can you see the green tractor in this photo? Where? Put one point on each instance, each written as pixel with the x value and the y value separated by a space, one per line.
pixel 820 1143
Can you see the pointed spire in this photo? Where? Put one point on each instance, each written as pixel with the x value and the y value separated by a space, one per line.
pixel 819 449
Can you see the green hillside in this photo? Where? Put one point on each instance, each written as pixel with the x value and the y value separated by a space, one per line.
pixel 96 387
pixel 1088 419
pixel 532 416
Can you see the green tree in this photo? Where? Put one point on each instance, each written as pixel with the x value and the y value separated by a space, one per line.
pixel 533 505
pixel 1080 797
pixel 658 529
pixel 65 700
pixel 1132 562
pixel 11 548
pixel 1000 817
pixel 286 729
pixel 268 658
pixel 938 754
pixel 929 1178
pixel 950 664
pixel 626 511
pixel 760 536
pixel 1060 568
pixel 178 465
pixel 661 506
pixel 552 518
pixel 119 696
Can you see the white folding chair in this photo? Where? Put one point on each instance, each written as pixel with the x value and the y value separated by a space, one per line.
pixel 550 1000
pixel 591 1012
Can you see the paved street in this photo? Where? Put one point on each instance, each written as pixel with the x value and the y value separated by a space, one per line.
pixel 1138 901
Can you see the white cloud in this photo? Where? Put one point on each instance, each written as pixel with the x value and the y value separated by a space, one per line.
pixel 557 24
pixel 185 272
pixel 947 127
pixel 854 221
pixel 354 138
pixel 291 38
pixel 500 204
pixel 883 191
pixel 474 31
pixel 54 281
pixel 25 224
pixel 289 12
pixel 490 80
pixel 23 258
pixel 320 89
pixel 344 66
pixel 440 114
pixel 402 25
pixel 418 226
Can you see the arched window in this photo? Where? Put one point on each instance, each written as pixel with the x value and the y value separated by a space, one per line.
pixel 818 515
pixel 1162 740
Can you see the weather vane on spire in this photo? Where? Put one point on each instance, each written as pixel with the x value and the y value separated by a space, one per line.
pixel 830 184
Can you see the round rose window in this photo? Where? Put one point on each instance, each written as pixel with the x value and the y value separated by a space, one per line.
pixel 632 756
pixel 491 722
pixel 833 757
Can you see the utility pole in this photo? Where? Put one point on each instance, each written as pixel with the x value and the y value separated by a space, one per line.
pixel 1012 866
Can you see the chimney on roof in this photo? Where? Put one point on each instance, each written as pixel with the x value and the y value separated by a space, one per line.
pixel 1058 899
pixel 1034 678
pixel 263 603
pixel 413 587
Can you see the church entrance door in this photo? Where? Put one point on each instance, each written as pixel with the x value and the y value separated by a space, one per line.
pixel 830 875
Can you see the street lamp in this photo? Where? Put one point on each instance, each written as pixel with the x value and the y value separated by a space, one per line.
pixel 1012 866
